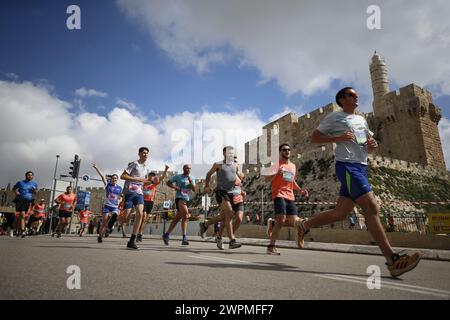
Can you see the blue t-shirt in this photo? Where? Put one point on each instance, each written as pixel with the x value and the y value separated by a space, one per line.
pixel 112 195
pixel 25 188
pixel 182 181
pixel 336 124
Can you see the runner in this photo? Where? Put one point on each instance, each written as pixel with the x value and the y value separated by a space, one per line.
pixel 24 198
pixel 135 175
pixel 282 177
pixel 111 204
pixel 227 172
pixel 237 203
pixel 149 196
pixel 66 202
pixel 83 217
pixel 123 218
pixel 183 184
pixel 353 141
pixel 37 217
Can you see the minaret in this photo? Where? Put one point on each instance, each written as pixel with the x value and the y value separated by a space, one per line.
pixel 380 86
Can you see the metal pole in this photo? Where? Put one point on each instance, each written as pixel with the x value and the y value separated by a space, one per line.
pixel 262 206
pixel 50 205
pixel 164 220
pixel 73 207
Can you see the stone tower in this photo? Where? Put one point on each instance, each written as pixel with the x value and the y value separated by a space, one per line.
pixel 380 85
pixel 406 124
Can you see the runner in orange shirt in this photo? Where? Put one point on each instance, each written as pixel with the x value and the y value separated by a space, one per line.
pixel 149 190
pixel 282 176
pixel 123 218
pixel 66 202
pixel 37 217
pixel 83 217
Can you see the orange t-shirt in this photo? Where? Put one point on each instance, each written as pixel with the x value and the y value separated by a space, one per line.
pixel 84 215
pixel 283 184
pixel 38 210
pixel 150 191
pixel 67 201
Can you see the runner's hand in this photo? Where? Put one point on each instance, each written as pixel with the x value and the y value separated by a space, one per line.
pixel 372 144
pixel 347 136
pixel 304 193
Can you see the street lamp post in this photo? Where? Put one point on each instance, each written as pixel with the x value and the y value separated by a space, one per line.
pixel 53 194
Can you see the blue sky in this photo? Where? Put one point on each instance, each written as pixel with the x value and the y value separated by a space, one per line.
pixel 167 63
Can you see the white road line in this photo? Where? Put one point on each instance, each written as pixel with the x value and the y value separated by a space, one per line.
pixel 393 283
pixel 421 290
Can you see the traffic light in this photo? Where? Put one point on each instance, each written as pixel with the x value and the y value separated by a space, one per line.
pixel 75 167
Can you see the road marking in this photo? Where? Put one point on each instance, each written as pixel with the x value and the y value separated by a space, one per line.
pixel 391 285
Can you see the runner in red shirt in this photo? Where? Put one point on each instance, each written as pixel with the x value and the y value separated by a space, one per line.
pixel 149 190
pixel 37 217
pixel 83 217
pixel 66 202
pixel 282 176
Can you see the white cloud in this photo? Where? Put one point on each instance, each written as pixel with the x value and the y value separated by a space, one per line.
pixel 444 132
pixel 83 92
pixel 123 103
pixel 38 126
pixel 304 45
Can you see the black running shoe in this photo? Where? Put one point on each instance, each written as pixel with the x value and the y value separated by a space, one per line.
pixel 132 245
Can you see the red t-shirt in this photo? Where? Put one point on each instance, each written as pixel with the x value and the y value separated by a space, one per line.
pixel 84 215
pixel 150 191
pixel 38 210
pixel 283 184
pixel 67 201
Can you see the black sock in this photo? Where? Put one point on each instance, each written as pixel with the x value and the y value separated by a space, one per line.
pixel 133 238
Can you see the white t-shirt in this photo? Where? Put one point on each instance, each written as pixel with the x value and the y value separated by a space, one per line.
pixel 136 170
pixel 336 124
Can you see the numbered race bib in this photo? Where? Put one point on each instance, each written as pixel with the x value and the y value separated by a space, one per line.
pixel 134 187
pixel 361 136
pixel 288 176
pixel 184 193
pixel 67 206
pixel 147 192
pixel 113 197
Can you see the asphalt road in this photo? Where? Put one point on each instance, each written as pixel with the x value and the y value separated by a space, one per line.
pixel 36 268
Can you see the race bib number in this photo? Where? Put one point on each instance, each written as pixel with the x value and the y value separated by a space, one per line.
pixel 185 192
pixel 288 176
pixel 113 197
pixel 67 206
pixel 361 136
pixel 147 192
pixel 134 187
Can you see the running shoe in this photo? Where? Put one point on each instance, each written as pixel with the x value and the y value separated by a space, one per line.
pixel 139 238
pixel 272 250
pixel 124 235
pixel 11 233
pixel 106 234
pixel 234 244
pixel 202 229
pixel 132 245
pixel 99 239
pixel 220 243
pixel 298 224
pixel 269 228
pixel 185 242
pixel 403 263
pixel 166 238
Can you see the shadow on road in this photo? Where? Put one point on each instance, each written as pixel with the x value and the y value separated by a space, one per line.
pixel 269 266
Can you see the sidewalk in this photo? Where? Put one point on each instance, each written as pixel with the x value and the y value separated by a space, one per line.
pixel 428 254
